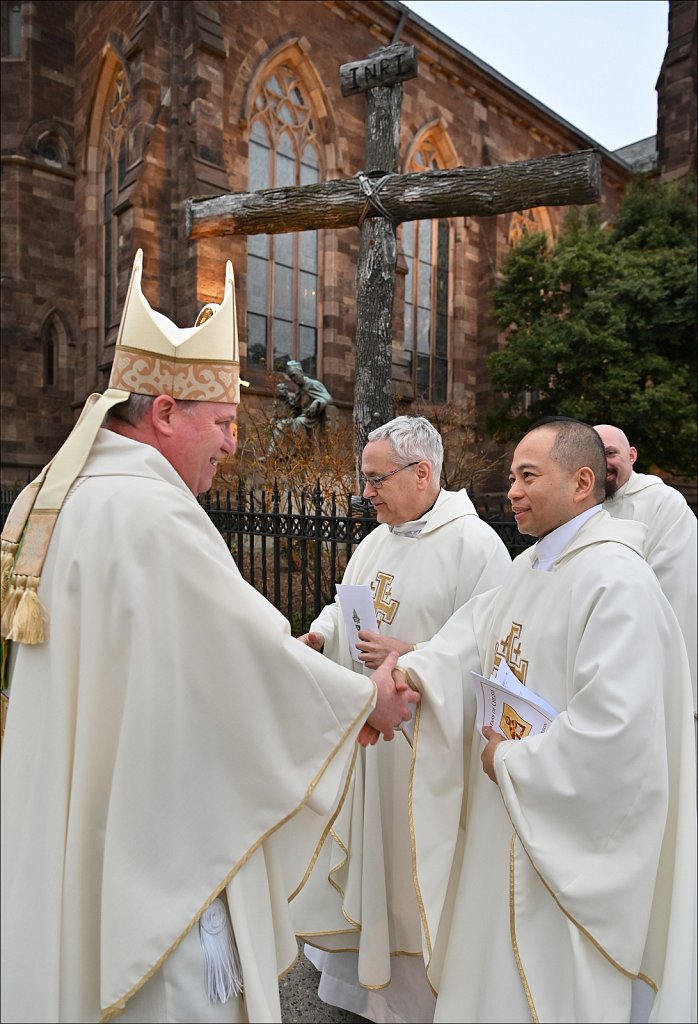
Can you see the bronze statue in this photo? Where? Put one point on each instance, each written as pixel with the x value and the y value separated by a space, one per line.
pixel 301 409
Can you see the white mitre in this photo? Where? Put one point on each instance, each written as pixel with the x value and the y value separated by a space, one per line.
pixel 153 357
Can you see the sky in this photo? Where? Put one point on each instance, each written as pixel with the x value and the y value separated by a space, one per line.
pixel 594 62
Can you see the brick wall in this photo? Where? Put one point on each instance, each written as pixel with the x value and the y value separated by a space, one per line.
pixel 676 95
pixel 38 275
pixel 192 69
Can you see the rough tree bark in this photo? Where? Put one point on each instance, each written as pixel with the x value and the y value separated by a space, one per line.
pixel 375 276
pixel 566 179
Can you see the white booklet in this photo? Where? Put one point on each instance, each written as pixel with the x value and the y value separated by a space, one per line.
pixel 356 602
pixel 509 707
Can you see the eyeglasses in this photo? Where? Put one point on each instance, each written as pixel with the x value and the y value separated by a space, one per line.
pixel 377 481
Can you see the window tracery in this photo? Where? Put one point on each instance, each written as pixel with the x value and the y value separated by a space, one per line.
pixel 426 249
pixel 114 162
pixel 282 270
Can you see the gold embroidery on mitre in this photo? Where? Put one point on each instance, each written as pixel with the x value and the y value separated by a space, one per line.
pixel 200 380
pixel 510 650
pixel 384 603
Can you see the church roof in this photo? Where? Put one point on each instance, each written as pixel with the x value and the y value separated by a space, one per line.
pixel 640 155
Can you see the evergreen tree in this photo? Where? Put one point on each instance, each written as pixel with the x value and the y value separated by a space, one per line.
pixel 602 326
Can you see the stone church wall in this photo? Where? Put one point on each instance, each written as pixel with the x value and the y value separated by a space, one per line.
pixel 189 71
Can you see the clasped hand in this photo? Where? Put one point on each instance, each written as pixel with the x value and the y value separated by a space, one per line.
pixel 395 697
pixel 394 703
pixel 375 647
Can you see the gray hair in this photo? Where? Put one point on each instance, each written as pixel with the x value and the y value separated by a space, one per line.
pixel 132 410
pixel 413 439
pixel 136 407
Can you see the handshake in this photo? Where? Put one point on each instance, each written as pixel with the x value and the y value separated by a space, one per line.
pixel 394 703
pixel 395 697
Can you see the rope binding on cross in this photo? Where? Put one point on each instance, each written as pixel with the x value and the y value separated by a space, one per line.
pixel 371 188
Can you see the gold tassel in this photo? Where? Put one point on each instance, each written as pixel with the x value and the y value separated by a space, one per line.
pixel 29 618
pixel 9 550
pixel 9 607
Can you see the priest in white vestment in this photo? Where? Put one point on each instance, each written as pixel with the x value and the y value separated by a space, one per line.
pixel 171 751
pixel 671 542
pixel 430 554
pixel 557 873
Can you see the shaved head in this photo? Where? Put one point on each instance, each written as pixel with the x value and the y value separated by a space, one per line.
pixel 620 456
pixel 576 444
pixel 612 435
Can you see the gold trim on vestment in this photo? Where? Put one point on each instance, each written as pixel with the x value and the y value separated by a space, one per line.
pixel 26 539
pixel 413 843
pixel 595 943
pixel 35 541
pixel 290 967
pixel 337 887
pixel 512 930
pixel 614 963
pixel 328 827
pixel 355 949
pixel 21 507
pixel 356 925
pixel 310 937
pixel 4 698
pixel 119 1005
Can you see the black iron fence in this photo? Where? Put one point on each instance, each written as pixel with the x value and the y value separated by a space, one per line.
pixel 293 549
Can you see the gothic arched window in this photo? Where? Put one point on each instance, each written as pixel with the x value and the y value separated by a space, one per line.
pixel 49 338
pixel 528 222
pixel 282 270
pixel 114 146
pixel 426 248
pixel 11 29
pixel 54 346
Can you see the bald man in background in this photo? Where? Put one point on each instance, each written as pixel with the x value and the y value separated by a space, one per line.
pixel 670 545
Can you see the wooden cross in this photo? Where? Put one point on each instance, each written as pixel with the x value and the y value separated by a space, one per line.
pixel 378 200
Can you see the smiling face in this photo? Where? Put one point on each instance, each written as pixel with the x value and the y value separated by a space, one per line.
pixel 203 433
pixel 543 494
pixel 620 456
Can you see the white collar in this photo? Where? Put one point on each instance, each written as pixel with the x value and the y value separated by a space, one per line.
pixel 550 547
pixel 411 529
pixel 415 526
